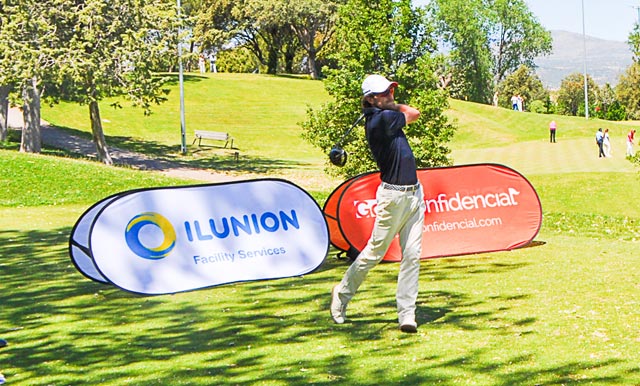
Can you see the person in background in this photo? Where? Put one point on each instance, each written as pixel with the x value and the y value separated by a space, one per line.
pixel 552 132
pixel 212 62
pixel 599 140
pixel 3 343
pixel 520 102
pixel 514 102
pixel 630 138
pixel 606 143
pixel 201 64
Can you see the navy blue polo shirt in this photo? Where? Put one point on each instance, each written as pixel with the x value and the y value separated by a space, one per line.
pixel 389 146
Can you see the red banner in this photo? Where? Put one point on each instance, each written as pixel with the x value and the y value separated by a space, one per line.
pixel 470 209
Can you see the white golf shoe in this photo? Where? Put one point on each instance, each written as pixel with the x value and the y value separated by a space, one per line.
pixel 338 309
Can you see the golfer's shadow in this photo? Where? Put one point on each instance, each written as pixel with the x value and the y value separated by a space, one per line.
pixel 424 315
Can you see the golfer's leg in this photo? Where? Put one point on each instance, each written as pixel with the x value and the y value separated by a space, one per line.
pixel 409 275
pixel 384 230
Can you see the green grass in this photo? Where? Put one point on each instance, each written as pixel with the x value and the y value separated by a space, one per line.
pixel 261 112
pixel 37 180
pixel 563 311
pixel 483 126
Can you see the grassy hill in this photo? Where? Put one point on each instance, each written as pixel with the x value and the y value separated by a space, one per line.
pixel 487 126
pixel 521 140
pixel 563 311
pixel 261 112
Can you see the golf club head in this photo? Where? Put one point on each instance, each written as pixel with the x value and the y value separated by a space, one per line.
pixel 338 156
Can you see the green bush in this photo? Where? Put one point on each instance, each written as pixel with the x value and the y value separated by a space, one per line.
pixel 239 60
pixel 616 112
pixel 537 107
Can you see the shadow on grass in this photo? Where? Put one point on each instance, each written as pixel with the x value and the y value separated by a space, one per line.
pixel 214 158
pixel 174 78
pixel 127 151
pixel 66 329
pixel 532 244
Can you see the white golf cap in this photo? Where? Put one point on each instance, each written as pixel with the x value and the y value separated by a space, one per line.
pixel 374 84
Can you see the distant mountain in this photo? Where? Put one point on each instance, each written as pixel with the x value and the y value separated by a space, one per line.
pixel 606 59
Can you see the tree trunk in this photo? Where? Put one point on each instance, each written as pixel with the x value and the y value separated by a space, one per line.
pixel 31 140
pixel 98 134
pixel 314 71
pixel 288 62
pixel 4 111
pixel 272 61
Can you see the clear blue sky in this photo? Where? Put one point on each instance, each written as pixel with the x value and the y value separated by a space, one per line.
pixel 604 19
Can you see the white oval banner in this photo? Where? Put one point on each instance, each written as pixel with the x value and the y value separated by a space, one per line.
pixel 79 242
pixel 168 240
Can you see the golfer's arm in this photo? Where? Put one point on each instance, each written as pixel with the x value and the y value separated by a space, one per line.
pixel 410 114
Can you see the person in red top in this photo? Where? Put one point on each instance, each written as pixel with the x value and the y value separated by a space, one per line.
pixel 630 138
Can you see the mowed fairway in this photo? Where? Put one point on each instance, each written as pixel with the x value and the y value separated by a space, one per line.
pixel 542 157
pixel 562 311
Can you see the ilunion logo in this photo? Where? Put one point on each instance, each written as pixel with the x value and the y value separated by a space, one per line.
pixel 132 235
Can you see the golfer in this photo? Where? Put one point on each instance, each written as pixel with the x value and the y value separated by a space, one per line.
pixel 400 203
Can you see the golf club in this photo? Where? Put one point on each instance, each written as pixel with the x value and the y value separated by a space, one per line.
pixel 337 155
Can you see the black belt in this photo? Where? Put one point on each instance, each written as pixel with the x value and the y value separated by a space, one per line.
pixel 401 188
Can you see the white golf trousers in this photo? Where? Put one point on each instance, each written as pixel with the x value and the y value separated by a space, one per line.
pixel 397 213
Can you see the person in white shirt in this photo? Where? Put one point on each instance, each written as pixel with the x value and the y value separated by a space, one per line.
pixel 606 143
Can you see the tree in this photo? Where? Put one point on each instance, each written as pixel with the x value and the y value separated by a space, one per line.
pixel 267 22
pixel 112 53
pixel 489 39
pixel 628 90
pixel 271 29
pixel 523 82
pixel 390 38
pixel 634 42
pixel 5 79
pixel 313 22
pixel 464 26
pixel 260 25
pixel 608 106
pixel 33 35
pixel 571 94
pixel 216 24
pixel 83 51
pixel 517 37
pixel 4 111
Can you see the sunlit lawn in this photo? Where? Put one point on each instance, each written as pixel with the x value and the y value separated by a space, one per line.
pixel 562 311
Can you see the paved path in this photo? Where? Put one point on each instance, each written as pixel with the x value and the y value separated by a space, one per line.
pixel 60 139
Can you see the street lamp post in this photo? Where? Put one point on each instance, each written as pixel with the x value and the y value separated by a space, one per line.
pixel 183 126
pixel 584 44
